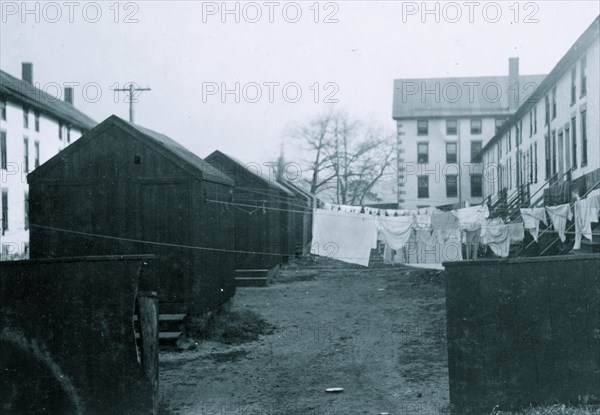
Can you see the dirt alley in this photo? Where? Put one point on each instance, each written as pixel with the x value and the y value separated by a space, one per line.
pixel 377 332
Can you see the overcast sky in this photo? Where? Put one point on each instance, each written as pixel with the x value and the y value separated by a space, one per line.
pixel 181 48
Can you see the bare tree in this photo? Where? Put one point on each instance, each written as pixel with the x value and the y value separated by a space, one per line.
pixel 346 158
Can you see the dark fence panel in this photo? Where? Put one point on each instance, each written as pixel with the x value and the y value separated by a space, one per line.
pixel 67 340
pixel 523 331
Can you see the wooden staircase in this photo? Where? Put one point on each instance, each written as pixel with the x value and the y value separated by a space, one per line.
pixel 170 328
pixel 251 277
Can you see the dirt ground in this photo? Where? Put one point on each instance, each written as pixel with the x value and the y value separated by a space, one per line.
pixel 377 332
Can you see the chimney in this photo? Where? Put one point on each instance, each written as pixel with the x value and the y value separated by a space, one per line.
pixel 514 88
pixel 27 72
pixel 69 95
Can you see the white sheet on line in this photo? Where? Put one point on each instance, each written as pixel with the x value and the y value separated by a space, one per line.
pixel 348 237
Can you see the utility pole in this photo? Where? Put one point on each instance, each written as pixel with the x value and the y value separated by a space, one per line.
pixel 131 89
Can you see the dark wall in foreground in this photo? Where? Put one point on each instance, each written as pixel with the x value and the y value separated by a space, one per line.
pixel 67 343
pixel 523 331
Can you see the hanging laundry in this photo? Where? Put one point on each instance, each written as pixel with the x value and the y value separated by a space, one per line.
pixel 344 208
pixel 444 220
pixel 344 236
pixel 516 232
pixel 396 230
pixel 392 256
pixel 428 238
pixel 422 222
pixel 531 220
pixel 497 237
pixel 494 221
pixel 449 240
pixel 472 238
pixel 472 218
pixel 427 246
pixel 428 211
pixel 559 215
pixel 586 212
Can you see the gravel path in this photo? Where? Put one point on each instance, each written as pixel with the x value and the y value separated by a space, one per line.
pixel 377 332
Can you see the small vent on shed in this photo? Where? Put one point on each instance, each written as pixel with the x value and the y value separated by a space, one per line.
pixel 137 160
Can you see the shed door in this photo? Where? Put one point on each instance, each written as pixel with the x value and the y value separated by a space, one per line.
pixel 165 218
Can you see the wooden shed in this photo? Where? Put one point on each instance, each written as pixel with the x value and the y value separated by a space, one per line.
pixel 300 219
pixel 124 189
pixel 261 214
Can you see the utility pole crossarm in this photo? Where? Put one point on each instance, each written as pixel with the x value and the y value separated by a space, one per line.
pixel 131 90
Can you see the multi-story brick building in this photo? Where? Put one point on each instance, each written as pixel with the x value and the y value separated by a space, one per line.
pixel 442 125
pixel 34 126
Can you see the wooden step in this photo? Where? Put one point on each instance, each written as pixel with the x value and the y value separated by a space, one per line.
pixel 164 335
pixel 171 317
pixel 166 317
pixel 251 273
pixel 250 281
pixel 170 327
pixel 168 335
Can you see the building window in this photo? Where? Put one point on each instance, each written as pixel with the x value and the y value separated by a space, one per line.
pixel 530 123
pixel 567 147
pixel 531 166
pixel 68 133
pixel 517 134
pixel 26 154
pixel 509 172
pixel 535 154
pixel 509 140
pixel 451 185
pixel 535 118
pixel 554 158
pixel 25 117
pixel 36 147
pixel 26 212
pixel 4 210
pixel 451 127
pixel 423 187
pixel 451 153
pixel 546 109
pixel 60 130
pixel 547 155
pixel 3 110
pixel 499 122
pixel 476 126
pixel 523 168
pixel 574 141
pixel 584 158
pixel 476 185
pixel 3 162
pixel 554 102
pixel 476 151
pixel 422 153
pixel 573 85
pixel 422 127
pixel 37 121
pixel 499 153
pixel 583 86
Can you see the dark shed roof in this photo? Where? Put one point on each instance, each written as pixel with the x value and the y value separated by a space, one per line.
pixel 575 52
pixel 299 191
pixel 23 92
pixel 160 143
pixel 217 157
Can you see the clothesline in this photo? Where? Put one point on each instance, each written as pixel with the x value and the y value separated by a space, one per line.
pixel 433 227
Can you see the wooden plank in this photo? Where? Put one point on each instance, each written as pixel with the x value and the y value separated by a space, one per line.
pixel 169 335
